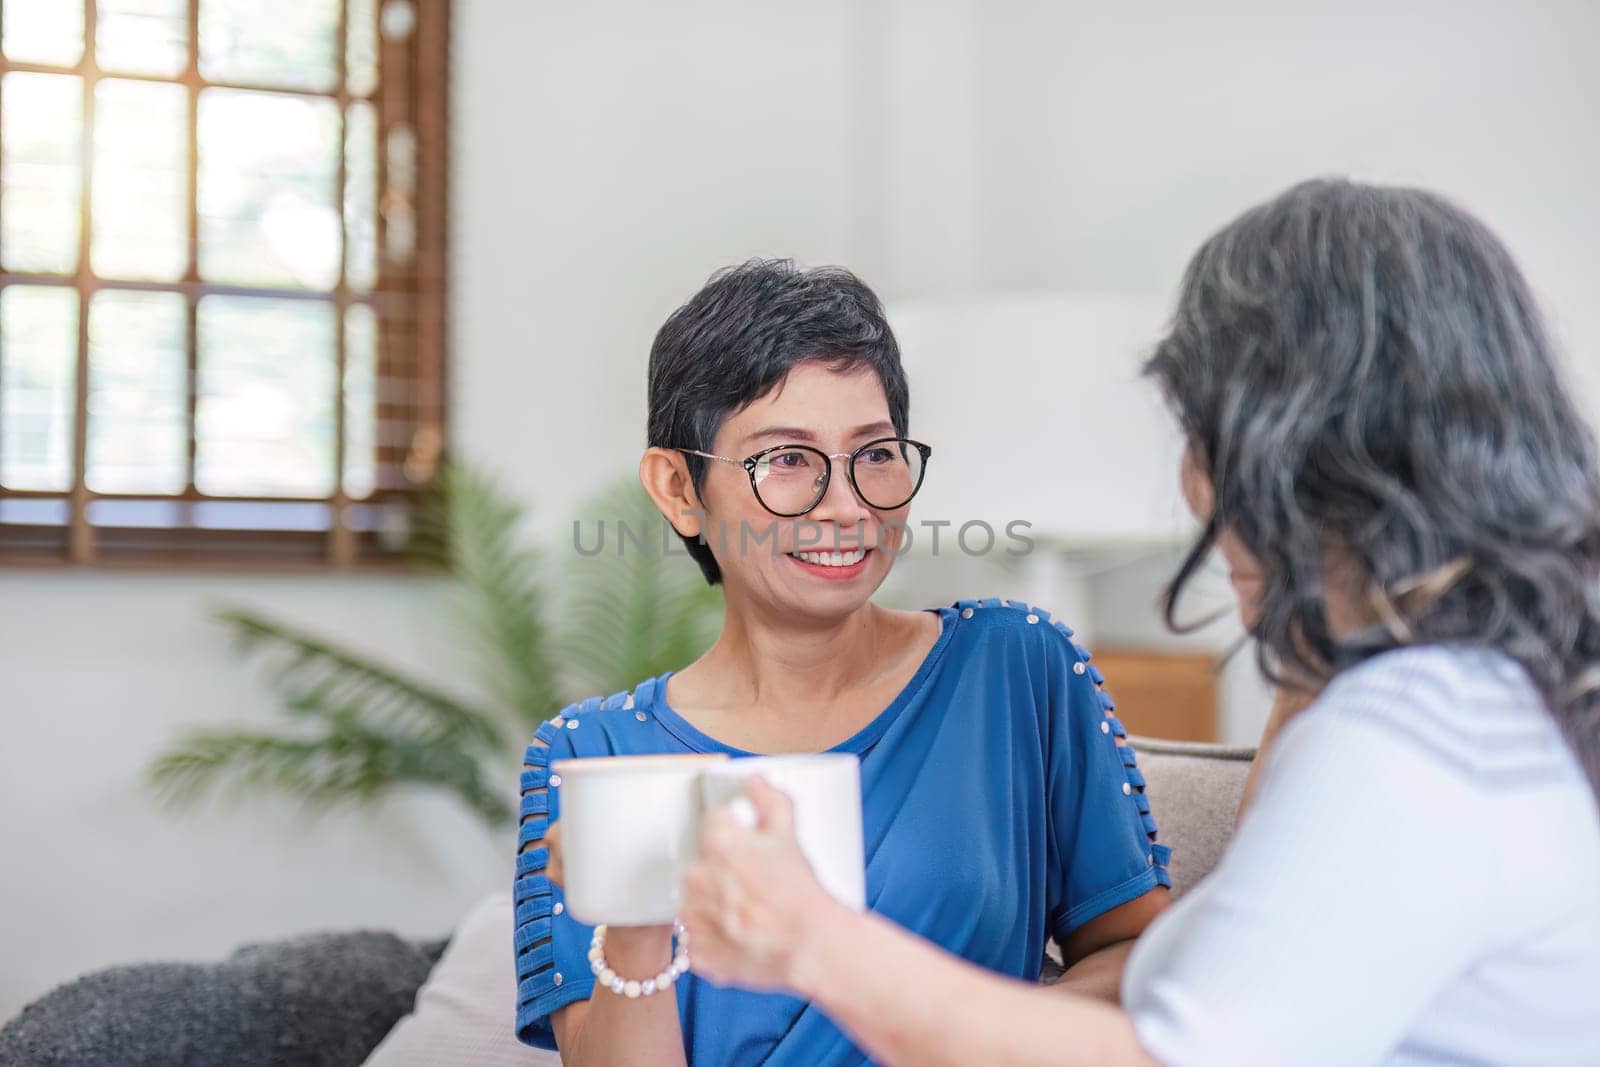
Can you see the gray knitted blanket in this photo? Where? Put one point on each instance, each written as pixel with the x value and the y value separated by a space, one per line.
pixel 325 999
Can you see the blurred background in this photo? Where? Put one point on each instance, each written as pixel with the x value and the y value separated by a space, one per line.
pixel 321 323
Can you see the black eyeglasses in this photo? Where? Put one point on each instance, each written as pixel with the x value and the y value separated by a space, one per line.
pixel 791 480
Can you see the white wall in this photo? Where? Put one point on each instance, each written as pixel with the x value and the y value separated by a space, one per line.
pixel 607 158
pixel 1113 142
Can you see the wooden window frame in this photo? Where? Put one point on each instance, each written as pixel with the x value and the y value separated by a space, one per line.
pixel 408 297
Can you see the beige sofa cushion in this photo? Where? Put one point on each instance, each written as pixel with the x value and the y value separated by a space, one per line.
pixel 463 1014
pixel 1194 792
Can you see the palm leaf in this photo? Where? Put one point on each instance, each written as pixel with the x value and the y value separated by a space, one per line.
pixel 479 540
pixel 632 611
pixel 317 678
pixel 345 764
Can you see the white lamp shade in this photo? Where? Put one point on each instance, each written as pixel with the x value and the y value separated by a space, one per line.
pixel 1036 410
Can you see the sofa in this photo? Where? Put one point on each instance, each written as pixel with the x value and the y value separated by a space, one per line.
pixel 339 999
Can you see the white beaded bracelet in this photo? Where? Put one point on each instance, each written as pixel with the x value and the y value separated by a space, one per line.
pixel 628 987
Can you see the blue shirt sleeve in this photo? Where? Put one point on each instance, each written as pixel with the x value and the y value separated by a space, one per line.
pixel 551 949
pixel 1103 850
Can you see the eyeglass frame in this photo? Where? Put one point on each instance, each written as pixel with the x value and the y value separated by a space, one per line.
pixel 750 462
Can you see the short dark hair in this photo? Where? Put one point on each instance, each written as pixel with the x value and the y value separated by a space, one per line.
pixel 1364 368
pixel 741 335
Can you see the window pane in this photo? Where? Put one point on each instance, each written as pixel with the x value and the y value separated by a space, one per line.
pixel 137 416
pixel 361 56
pixel 39 336
pixel 255 515
pixel 42 173
pixel 361 197
pixel 142 36
pixel 289 43
pixel 264 418
pixel 269 168
pixel 141 180
pixel 35 511
pixel 43 31
pixel 360 399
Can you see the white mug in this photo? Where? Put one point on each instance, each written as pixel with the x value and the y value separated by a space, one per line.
pixel 826 792
pixel 630 826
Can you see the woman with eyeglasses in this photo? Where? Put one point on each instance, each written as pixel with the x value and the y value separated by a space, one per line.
pixel 1002 809
pixel 1383 452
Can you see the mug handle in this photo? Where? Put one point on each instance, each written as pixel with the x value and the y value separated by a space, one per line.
pixel 727 793
pixel 743 812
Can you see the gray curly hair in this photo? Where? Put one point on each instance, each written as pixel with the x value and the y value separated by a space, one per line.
pixel 1362 369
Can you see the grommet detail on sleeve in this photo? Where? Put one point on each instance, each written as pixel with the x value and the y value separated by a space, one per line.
pixel 1079 668
pixel 533 894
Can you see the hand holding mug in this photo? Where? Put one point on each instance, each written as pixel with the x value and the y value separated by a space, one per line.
pixel 631 825
pixel 751 900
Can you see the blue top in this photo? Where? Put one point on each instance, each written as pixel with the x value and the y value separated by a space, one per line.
pixel 1001 809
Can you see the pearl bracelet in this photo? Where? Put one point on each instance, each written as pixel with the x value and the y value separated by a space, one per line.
pixel 627 987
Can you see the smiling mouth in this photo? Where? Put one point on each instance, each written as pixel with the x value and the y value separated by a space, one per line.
pixel 832 559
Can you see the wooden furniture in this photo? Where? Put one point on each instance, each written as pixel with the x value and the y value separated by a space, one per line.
pixel 1171 695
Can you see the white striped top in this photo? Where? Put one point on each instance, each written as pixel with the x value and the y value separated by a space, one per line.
pixel 1416 882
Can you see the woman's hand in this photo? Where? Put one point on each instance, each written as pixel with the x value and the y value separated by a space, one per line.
pixel 552 844
pixel 751 904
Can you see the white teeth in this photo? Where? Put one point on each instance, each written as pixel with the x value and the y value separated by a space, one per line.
pixel 833 559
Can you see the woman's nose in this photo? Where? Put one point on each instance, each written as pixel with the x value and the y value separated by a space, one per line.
pixel 840 503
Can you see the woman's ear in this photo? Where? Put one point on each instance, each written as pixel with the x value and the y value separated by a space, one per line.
pixel 1195 483
pixel 664 473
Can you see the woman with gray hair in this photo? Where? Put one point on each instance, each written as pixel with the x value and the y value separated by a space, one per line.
pixel 1409 504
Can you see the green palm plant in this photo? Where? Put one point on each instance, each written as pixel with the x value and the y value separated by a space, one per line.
pixel 357 728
